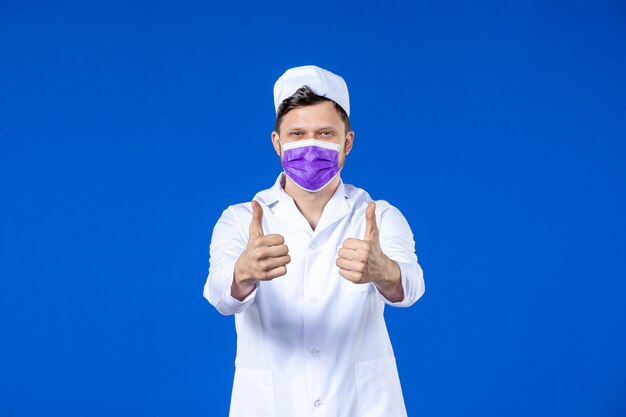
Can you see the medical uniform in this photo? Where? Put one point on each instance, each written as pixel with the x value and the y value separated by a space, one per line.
pixel 311 343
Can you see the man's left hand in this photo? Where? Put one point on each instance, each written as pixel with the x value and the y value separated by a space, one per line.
pixel 363 261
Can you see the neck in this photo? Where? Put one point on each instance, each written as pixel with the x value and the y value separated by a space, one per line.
pixel 311 205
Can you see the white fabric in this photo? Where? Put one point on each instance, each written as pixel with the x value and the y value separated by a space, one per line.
pixel 312 343
pixel 312 142
pixel 323 83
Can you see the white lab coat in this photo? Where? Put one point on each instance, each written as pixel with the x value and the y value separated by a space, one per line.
pixel 312 343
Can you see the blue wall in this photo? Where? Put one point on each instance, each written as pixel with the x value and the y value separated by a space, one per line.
pixel 497 128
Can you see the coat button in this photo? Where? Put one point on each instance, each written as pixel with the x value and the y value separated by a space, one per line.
pixel 317 403
pixel 315 352
pixel 313 245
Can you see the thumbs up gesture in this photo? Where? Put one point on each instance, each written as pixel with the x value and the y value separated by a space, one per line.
pixel 362 260
pixel 264 259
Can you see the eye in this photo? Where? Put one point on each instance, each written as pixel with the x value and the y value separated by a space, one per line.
pixel 326 133
pixel 295 133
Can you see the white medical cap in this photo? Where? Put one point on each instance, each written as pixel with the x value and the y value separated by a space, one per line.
pixel 323 83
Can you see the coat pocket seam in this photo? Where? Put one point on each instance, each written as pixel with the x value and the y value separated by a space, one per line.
pixel 352 288
pixel 253 392
pixel 378 389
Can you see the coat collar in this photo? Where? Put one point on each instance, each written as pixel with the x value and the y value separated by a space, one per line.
pixel 283 206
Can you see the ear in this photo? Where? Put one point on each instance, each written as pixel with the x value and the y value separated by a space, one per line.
pixel 276 143
pixel 349 141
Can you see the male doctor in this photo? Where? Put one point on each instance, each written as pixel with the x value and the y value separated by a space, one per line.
pixel 307 268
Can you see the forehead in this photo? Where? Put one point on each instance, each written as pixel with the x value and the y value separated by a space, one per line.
pixel 321 114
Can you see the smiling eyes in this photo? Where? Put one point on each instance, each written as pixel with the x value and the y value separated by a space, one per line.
pixel 322 133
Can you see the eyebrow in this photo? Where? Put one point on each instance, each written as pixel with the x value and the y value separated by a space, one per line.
pixel 294 129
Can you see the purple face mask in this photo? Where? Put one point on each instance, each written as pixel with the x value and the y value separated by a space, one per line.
pixel 311 163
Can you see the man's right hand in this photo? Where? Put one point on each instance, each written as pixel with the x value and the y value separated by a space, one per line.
pixel 264 259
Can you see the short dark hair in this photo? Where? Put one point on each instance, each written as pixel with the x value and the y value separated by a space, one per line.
pixel 304 96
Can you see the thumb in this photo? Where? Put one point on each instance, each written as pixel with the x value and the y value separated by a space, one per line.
pixel 371 229
pixel 256 226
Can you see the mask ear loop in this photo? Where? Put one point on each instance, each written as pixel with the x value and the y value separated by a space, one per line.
pixel 281 147
pixel 343 143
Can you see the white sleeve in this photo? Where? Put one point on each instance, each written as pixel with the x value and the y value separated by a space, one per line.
pixel 227 244
pixel 396 241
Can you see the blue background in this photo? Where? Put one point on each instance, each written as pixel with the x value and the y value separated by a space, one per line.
pixel 497 128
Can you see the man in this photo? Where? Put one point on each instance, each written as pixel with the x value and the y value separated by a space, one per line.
pixel 307 268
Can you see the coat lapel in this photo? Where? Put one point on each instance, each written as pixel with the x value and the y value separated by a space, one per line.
pixel 284 207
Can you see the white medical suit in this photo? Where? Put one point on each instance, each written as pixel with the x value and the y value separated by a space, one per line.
pixel 311 343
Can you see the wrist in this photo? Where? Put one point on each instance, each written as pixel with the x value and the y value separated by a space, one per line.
pixel 390 286
pixel 241 286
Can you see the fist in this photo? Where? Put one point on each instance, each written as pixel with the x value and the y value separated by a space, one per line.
pixel 362 260
pixel 265 257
